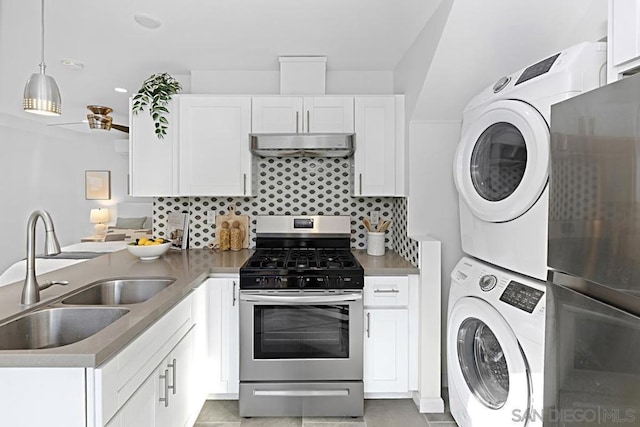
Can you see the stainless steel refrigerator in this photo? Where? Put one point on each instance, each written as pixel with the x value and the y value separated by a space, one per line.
pixel 592 347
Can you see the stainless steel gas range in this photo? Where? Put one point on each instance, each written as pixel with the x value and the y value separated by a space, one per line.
pixel 301 320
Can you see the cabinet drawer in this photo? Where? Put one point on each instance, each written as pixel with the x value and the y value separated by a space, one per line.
pixel 118 379
pixel 386 291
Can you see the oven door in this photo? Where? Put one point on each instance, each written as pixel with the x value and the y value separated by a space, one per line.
pixel 294 335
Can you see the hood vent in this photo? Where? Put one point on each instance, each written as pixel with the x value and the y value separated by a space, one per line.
pixel 302 144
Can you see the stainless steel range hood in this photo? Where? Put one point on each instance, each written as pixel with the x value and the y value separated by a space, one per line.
pixel 302 144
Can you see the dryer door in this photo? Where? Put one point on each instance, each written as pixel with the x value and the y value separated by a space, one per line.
pixel 502 161
pixel 488 369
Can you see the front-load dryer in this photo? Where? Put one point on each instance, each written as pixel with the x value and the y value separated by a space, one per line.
pixel 501 166
pixel 495 346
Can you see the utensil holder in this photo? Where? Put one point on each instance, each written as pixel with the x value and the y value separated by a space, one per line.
pixel 375 243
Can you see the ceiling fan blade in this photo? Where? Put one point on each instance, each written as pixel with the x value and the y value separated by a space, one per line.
pixel 67 123
pixel 121 128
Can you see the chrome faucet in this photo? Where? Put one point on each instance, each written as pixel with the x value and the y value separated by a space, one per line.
pixel 31 290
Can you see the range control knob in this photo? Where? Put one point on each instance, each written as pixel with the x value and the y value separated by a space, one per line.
pixel 277 282
pixel 488 282
pixel 301 282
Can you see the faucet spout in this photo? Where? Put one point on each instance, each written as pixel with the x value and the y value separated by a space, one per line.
pixel 31 289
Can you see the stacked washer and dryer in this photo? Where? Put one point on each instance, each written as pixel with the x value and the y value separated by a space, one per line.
pixel 496 316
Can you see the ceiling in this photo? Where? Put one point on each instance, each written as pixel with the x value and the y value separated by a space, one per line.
pixel 199 35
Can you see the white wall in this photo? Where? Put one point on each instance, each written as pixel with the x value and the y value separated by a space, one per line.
pixel 479 42
pixel 43 168
pixel 268 82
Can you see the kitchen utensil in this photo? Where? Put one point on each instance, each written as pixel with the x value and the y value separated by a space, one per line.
pixel 367 223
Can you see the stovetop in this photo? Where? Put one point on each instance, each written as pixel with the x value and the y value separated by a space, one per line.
pixel 302 268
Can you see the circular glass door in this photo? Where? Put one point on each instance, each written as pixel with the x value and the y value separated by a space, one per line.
pixel 487 370
pixel 498 161
pixel 502 162
pixel 483 363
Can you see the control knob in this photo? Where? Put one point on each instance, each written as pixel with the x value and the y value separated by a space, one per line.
pixel 487 282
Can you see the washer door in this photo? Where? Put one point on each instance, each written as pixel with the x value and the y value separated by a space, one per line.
pixel 502 161
pixel 490 374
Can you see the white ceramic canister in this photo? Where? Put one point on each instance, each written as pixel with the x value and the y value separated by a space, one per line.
pixel 375 243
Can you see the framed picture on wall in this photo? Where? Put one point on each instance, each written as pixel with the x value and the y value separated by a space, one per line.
pixel 97 185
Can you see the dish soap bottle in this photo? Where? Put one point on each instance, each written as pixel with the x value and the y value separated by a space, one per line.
pixel 225 236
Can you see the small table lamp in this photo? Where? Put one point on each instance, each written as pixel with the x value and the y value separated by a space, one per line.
pixel 99 217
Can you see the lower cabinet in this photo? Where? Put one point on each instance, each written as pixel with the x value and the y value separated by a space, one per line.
pixel 221 369
pixel 164 397
pixel 153 381
pixel 388 325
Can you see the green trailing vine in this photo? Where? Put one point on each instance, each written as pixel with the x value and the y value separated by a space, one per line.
pixel 155 93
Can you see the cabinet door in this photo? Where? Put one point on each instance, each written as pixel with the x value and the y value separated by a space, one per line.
pixel 625 30
pixel 214 146
pixel 153 165
pixel 276 114
pixel 181 380
pixel 222 370
pixel 330 114
pixel 386 351
pixel 140 410
pixel 375 146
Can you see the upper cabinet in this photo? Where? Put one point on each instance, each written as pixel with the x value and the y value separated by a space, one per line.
pixel 293 114
pixel 379 156
pixel 623 48
pixel 214 145
pixel 153 162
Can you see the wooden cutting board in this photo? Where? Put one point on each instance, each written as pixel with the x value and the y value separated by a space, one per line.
pixel 230 217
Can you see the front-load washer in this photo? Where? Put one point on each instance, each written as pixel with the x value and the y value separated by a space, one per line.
pixel 495 346
pixel 501 166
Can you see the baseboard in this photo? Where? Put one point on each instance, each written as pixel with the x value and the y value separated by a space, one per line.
pixel 428 404
pixel 222 396
pixel 405 395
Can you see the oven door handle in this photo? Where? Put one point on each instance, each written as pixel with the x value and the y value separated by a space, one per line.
pixel 301 299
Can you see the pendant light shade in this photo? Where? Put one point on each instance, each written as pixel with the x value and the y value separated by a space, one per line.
pixel 41 93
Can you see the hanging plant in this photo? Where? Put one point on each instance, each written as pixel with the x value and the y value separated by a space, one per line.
pixel 156 92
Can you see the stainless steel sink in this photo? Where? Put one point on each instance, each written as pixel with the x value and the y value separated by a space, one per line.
pixel 55 327
pixel 120 291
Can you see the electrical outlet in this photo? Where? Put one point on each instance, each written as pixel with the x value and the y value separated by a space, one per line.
pixel 211 217
pixel 375 217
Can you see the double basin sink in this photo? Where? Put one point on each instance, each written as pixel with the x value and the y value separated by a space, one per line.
pixel 79 315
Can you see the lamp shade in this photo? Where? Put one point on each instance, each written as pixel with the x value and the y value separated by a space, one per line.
pixel 42 96
pixel 99 216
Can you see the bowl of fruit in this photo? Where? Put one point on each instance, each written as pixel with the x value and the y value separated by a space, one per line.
pixel 149 249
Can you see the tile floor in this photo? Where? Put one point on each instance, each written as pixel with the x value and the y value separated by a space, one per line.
pixel 377 413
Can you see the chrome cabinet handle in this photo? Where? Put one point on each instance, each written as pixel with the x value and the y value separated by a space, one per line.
pixel 386 291
pixel 165 377
pixel 308 120
pixel 297 121
pixel 361 184
pixel 368 325
pixel 233 302
pixel 174 367
pixel 244 184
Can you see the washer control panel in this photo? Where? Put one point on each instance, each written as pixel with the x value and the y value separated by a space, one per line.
pixel 521 296
pixel 487 282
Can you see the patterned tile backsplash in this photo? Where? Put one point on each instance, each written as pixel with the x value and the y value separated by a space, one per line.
pixel 294 186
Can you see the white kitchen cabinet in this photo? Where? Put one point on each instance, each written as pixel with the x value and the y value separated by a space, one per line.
pixel 215 159
pixel 221 370
pixel 391 323
pixel 623 50
pixel 153 162
pixel 117 381
pixel 163 400
pixel 379 156
pixel 294 114
pixel 386 357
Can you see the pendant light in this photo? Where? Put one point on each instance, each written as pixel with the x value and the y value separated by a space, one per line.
pixel 41 93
